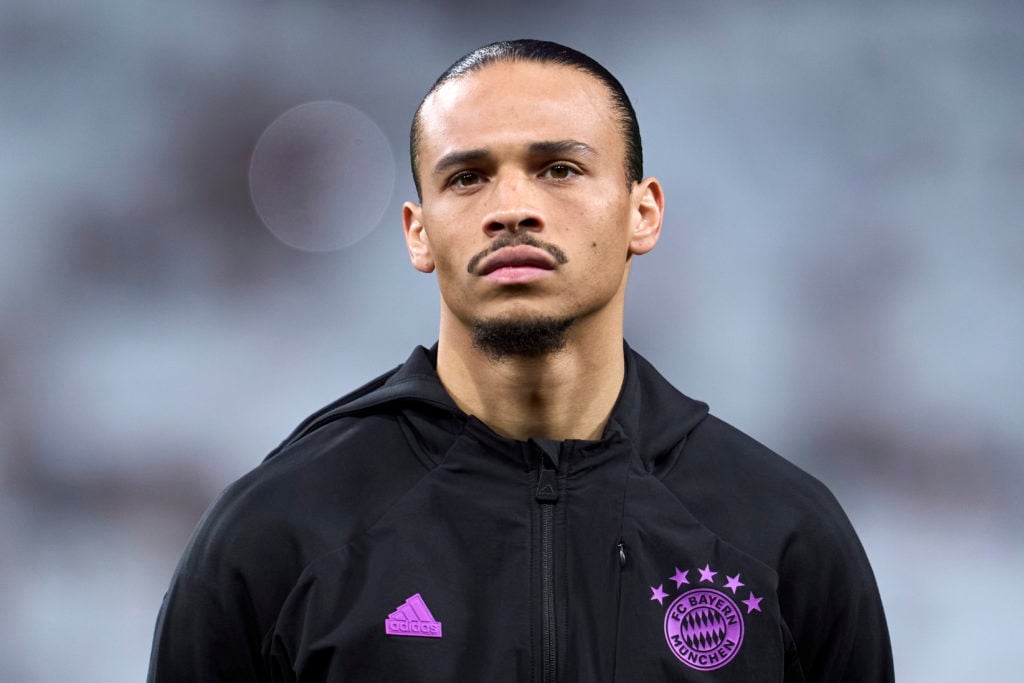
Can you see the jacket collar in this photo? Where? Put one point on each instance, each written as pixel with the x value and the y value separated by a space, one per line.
pixel 649 411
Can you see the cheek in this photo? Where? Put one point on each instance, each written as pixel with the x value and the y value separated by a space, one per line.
pixel 441 243
pixel 443 257
pixel 604 255
pixel 602 263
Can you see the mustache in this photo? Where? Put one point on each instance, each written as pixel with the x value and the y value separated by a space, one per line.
pixel 516 240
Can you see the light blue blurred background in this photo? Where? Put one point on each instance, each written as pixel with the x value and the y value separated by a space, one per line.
pixel 841 276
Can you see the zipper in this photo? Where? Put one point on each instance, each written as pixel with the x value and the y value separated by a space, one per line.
pixel 620 551
pixel 547 495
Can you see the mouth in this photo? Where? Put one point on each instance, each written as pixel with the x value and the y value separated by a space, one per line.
pixel 517 265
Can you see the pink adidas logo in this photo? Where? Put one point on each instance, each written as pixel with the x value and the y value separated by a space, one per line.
pixel 412 618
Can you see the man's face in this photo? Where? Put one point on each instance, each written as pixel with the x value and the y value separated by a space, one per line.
pixel 526 213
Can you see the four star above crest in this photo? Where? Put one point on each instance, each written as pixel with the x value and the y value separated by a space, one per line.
pixel 733 583
pixel 659 594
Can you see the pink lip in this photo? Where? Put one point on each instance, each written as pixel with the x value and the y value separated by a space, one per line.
pixel 517 275
pixel 517 265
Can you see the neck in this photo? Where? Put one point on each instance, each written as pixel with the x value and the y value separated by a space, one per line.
pixel 568 394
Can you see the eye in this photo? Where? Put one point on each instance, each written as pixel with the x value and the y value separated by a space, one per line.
pixel 464 179
pixel 561 171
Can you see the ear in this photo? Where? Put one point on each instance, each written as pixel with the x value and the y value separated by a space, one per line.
pixel 648 209
pixel 416 240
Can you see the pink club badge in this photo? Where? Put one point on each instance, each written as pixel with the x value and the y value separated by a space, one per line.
pixel 704 629
pixel 703 625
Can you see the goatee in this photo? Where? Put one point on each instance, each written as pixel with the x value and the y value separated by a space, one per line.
pixel 504 339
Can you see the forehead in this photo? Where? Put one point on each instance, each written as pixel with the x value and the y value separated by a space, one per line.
pixel 516 103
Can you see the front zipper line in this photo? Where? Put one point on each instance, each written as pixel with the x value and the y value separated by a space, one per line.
pixel 547 517
pixel 547 494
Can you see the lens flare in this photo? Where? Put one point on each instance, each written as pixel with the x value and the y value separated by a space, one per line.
pixel 321 176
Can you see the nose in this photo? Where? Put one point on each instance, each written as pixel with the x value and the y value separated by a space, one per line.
pixel 513 209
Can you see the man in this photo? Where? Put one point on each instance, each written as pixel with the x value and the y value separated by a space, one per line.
pixel 528 500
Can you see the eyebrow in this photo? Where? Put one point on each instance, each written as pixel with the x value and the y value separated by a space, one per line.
pixel 561 147
pixel 541 148
pixel 453 159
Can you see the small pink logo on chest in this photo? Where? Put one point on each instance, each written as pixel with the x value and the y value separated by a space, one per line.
pixel 412 618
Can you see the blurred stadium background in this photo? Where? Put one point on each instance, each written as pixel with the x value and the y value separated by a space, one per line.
pixel 841 274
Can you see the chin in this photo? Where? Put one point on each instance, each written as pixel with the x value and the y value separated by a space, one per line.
pixel 523 336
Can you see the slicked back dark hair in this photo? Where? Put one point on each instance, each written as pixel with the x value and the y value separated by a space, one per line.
pixel 542 52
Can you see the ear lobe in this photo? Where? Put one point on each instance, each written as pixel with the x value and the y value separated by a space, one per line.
pixel 416 240
pixel 649 206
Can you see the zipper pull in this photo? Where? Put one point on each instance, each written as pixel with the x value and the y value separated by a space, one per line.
pixel 547 486
pixel 622 553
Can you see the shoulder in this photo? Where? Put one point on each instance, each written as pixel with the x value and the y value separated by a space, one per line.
pixel 338 472
pixel 253 543
pixel 328 482
pixel 313 497
pixel 735 486
pixel 333 476
pixel 753 497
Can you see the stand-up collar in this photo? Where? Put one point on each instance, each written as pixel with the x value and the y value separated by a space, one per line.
pixel 649 411
pixel 652 413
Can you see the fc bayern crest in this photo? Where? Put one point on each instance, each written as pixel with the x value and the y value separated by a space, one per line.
pixel 703 625
pixel 704 628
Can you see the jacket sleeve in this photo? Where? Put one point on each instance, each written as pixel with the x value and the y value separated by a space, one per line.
pixel 202 636
pixel 831 604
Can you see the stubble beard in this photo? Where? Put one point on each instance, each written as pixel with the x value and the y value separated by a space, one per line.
pixel 509 338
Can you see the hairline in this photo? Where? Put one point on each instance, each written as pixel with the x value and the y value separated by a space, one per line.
pixel 619 102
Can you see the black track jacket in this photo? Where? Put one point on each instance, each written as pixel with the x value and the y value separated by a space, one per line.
pixel 393 538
